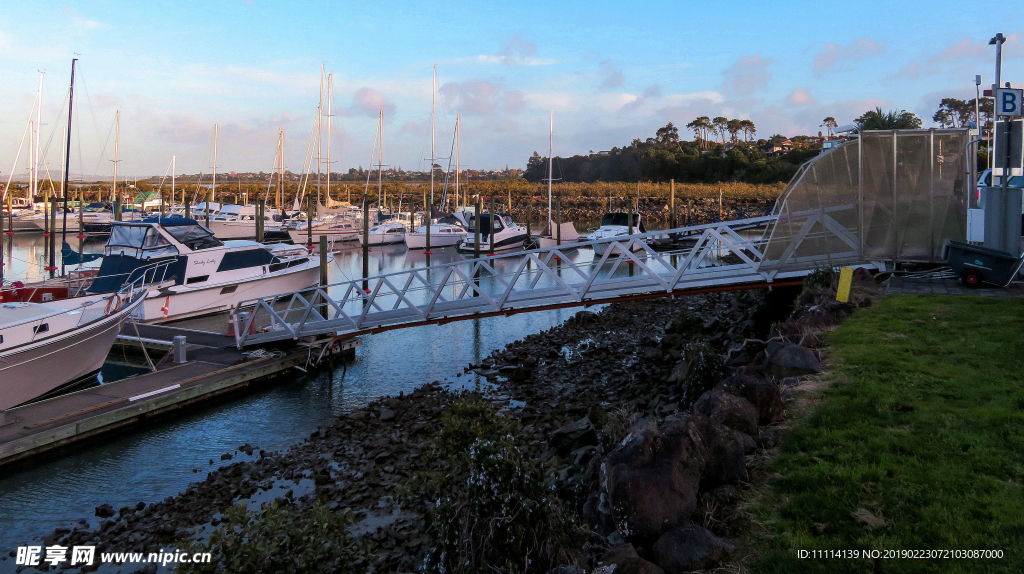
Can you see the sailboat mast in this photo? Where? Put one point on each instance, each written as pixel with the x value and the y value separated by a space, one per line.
pixel 67 162
pixel 433 91
pixel 212 194
pixel 113 185
pixel 39 123
pixel 330 96
pixel 319 137
pixel 174 166
pixel 280 166
pixel 380 156
pixel 551 148
pixel 458 168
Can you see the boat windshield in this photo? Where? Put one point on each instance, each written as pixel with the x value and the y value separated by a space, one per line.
pixel 96 207
pixel 194 236
pixel 144 240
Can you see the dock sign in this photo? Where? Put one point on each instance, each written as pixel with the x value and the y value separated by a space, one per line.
pixel 1009 102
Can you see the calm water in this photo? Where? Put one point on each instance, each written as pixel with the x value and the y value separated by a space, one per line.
pixel 152 463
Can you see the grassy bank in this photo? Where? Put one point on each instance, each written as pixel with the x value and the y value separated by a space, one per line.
pixel 916 443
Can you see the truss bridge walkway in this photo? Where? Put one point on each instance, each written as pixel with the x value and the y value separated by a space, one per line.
pixel 885 198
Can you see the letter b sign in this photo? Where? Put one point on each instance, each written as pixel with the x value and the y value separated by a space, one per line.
pixel 1009 102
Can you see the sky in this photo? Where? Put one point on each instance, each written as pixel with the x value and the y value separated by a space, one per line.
pixel 610 71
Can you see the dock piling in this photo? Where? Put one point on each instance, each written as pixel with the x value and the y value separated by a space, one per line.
pixel 180 355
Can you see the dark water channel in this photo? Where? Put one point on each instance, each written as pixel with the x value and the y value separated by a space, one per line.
pixel 151 463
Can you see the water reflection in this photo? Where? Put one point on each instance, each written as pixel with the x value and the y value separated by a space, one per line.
pixel 151 463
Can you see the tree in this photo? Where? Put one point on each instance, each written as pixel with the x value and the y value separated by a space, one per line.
pixel 877 119
pixel 667 136
pixel 748 129
pixel 734 127
pixel 954 113
pixel 701 127
pixel 829 124
pixel 721 126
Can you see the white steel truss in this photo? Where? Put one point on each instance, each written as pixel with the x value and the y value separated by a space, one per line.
pixel 710 255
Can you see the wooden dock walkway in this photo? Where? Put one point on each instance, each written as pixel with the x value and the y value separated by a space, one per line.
pixel 214 367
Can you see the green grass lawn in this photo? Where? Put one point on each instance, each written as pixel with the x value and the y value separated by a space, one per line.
pixel 917 444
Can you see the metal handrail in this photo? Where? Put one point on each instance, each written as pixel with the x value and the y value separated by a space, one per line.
pixel 491 284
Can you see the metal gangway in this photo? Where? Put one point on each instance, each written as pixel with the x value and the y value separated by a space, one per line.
pixel 891 196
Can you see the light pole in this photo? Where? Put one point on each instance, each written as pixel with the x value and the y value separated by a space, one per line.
pixel 996 41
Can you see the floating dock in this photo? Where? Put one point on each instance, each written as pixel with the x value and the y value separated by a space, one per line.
pixel 212 369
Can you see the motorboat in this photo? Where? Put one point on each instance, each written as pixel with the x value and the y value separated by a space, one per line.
pixel 40 221
pixel 335 228
pixel 46 348
pixel 235 221
pixel 197 211
pixel 506 235
pixel 385 233
pixel 441 235
pixel 563 236
pixel 203 274
pixel 617 224
pixel 97 217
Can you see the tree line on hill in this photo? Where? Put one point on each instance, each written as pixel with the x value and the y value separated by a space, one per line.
pixel 665 156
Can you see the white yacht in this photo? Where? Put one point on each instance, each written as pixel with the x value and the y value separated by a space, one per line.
pixel 385 233
pixel 617 224
pixel 550 237
pixel 204 274
pixel 197 211
pixel 234 221
pixel 337 228
pixel 441 235
pixel 46 348
pixel 507 235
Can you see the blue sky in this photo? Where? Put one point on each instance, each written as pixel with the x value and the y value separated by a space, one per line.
pixel 612 71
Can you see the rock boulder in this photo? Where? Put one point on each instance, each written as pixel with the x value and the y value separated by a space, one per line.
pixel 730 410
pixel 689 548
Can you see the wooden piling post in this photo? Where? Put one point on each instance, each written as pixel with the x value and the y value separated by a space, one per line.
pixel 490 244
pixel 558 216
pixel 324 279
pixel 366 243
pixel 309 221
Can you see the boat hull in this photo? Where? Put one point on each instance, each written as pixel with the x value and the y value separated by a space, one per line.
pixel 34 370
pixel 181 304
pixel 382 238
pixel 419 240
pixel 301 237
pixel 507 244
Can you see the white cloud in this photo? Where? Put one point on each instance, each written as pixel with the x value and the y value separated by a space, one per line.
pixel 833 56
pixel 515 52
pixel 483 97
pixel 613 77
pixel 747 74
pixel 800 97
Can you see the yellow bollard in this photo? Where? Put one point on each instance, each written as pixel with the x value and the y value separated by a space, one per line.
pixel 845 279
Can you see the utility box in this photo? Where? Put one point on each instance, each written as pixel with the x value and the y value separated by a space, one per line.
pixel 976 225
pixel 1002 219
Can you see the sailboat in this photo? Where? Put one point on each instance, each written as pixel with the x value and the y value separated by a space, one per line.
pixel 48 347
pixel 564 233
pixel 387 231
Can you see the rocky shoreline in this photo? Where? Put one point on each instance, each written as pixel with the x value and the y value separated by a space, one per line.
pixel 642 418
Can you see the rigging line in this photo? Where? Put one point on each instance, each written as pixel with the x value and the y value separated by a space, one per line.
pixel 45 149
pixel 103 152
pixel 300 192
pixel 10 176
pixel 80 79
